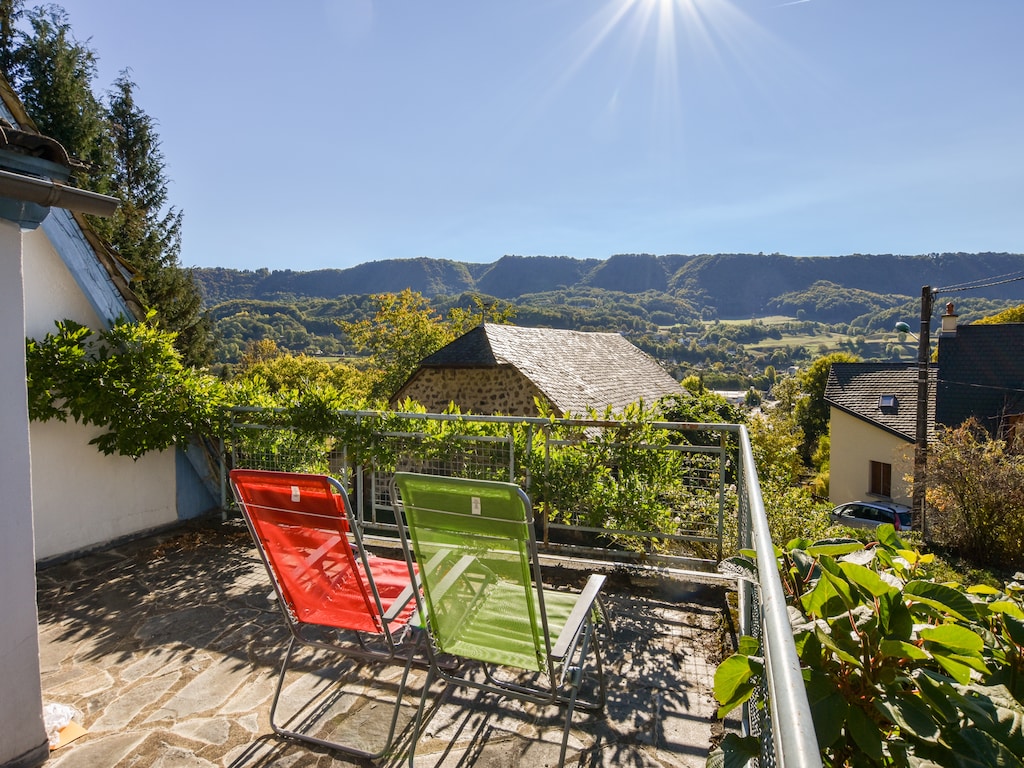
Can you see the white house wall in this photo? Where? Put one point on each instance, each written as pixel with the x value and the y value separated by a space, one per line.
pixel 81 497
pixel 854 444
pixel 21 710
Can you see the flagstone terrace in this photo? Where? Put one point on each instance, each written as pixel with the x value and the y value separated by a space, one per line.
pixel 170 645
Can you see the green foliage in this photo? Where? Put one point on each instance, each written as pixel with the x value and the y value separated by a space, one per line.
pixel 282 372
pixel 830 302
pixel 403 331
pixel 53 74
pixel 900 669
pixel 619 478
pixel 129 380
pixel 115 150
pixel 702 407
pixel 1011 315
pixel 775 440
pixel 811 411
pixel 976 490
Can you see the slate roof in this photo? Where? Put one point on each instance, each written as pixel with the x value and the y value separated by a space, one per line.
pixel 573 369
pixel 858 389
pixel 981 373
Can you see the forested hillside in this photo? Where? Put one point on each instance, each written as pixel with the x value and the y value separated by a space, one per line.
pixel 679 308
pixel 723 285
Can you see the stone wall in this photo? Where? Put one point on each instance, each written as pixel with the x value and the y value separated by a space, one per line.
pixel 499 390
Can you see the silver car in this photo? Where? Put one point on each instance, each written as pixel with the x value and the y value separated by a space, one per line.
pixel 871 514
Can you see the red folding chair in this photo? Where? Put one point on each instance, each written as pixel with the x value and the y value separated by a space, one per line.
pixel 333 594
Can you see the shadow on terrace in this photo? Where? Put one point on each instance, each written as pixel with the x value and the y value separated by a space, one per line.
pixel 169 646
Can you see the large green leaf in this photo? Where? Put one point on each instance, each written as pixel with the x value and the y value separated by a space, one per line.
pixel 996 712
pixel 942 598
pixel 735 752
pixel 739 567
pixel 940 695
pixel 866 579
pixel 748 646
pixel 911 713
pixel 828 641
pixel 958 639
pixel 888 537
pixel 958 667
pixel 733 681
pixel 831 572
pixel 984 751
pixel 894 617
pixel 834 547
pixel 829 708
pixel 903 650
pixel 865 733
pixel 823 600
pixel 1014 628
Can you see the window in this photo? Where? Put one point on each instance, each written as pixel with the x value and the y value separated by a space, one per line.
pixel 887 402
pixel 881 479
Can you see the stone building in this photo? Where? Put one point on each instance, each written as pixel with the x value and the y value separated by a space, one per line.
pixel 501 369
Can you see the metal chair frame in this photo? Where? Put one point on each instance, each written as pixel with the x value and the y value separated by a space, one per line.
pixel 459 508
pixel 318 507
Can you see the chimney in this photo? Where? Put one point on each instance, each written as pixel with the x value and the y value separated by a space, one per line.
pixel 949 321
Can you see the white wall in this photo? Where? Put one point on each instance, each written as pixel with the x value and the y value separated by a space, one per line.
pixel 22 736
pixel 854 444
pixel 81 497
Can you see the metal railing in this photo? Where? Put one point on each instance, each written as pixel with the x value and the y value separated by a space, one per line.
pixel 668 494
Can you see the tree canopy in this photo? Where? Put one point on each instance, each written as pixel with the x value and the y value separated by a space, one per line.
pixel 116 150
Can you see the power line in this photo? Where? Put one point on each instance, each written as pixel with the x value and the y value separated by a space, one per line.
pixel 973 285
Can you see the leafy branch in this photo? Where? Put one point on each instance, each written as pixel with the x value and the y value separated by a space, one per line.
pixel 900 670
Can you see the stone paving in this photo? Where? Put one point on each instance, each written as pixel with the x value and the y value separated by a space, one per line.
pixel 169 647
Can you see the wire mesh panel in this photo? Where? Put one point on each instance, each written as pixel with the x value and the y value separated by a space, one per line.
pixel 479 457
pixel 656 492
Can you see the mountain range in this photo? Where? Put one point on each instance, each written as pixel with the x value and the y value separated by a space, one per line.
pixel 733 285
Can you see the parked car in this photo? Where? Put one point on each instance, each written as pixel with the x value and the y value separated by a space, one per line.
pixel 870 514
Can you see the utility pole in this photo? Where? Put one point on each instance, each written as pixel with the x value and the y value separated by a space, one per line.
pixel 921 435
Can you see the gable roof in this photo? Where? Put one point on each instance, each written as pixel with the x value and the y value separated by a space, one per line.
pixel 981 373
pixel 99 273
pixel 859 388
pixel 573 369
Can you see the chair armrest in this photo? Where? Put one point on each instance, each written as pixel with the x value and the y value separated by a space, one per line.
pixel 410 590
pixel 401 601
pixel 452 576
pixel 580 611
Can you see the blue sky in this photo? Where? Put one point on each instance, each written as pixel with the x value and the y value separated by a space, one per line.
pixel 327 133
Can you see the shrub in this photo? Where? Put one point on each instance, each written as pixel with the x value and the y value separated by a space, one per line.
pixel 900 669
pixel 976 487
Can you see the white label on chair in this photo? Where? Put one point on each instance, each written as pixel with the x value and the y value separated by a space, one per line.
pixel 475 502
pixel 295 493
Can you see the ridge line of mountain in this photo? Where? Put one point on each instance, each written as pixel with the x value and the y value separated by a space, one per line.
pixel 735 285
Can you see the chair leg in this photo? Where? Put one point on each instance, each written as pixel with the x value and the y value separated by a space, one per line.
pixel 575 678
pixel 389 743
pixel 418 721
pixel 280 685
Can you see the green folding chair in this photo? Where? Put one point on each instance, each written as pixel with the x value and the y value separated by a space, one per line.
pixel 483 598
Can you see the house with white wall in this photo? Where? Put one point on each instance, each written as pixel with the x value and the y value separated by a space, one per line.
pixel 81 498
pixel 60 494
pixel 872 424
